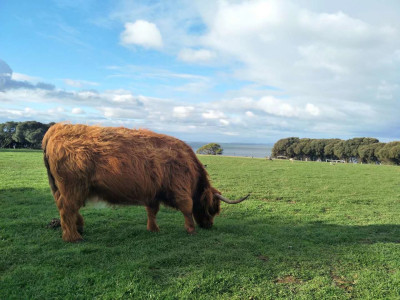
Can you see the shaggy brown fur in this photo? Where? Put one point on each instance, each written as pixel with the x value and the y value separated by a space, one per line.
pixel 124 166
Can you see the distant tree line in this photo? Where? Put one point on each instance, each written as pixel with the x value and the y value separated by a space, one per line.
pixel 27 134
pixel 362 150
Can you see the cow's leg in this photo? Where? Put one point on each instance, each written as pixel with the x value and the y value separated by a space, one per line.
pixel 80 223
pixel 69 212
pixel 151 217
pixel 185 205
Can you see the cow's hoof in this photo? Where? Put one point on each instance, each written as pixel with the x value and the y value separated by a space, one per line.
pixel 80 230
pixel 191 231
pixel 78 241
pixel 76 238
pixel 153 229
pixel 74 241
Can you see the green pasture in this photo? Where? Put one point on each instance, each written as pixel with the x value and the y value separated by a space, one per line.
pixel 309 231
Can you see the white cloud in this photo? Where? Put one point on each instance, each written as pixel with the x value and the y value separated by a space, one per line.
pixel 387 91
pixel 24 77
pixel 243 17
pixel 312 109
pixel 213 114
pixel 230 133
pixel 56 110
pixel 257 117
pixel 77 111
pixel 277 107
pixel 121 113
pixel 298 50
pixel 87 94
pixel 26 112
pixel 200 55
pixel 142 33
pixel 249 114
pixel 123 97
pixel 182 111
pixel 79 83
pixel 224 122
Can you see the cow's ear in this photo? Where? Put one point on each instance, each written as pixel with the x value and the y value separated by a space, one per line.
pixel 214 208
pixel 215 191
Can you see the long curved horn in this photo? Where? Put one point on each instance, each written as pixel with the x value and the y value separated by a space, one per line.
pixel 231 201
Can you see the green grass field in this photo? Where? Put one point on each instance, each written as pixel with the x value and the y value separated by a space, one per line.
pixel 309 231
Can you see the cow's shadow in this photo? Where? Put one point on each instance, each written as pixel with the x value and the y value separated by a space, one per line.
pixel 245 239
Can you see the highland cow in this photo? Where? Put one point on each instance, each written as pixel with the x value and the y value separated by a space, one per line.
pixel 128 167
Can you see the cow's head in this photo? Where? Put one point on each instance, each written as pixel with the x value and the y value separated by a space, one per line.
pixel 210 207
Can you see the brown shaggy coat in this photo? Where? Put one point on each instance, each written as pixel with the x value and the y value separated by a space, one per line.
pixel 124 166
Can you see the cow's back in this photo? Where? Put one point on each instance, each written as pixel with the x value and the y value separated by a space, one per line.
pixel 118 164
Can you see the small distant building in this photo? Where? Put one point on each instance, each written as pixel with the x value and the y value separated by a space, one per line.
pixel 335 161
pixel 281 157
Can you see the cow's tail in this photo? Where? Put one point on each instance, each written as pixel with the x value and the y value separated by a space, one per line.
pixel 52 182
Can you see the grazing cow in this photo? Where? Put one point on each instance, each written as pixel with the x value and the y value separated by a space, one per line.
pixel 124 166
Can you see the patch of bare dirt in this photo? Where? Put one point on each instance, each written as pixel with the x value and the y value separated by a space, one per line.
pixel 288 279
pixel 263 258
pixel 343 283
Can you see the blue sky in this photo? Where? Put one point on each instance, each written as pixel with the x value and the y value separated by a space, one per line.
pixel 223 71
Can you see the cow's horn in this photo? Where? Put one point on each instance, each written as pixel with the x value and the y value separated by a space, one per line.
pixel 231 201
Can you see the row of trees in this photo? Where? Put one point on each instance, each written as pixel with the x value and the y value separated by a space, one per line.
pixel 365 150
pixel 22 134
